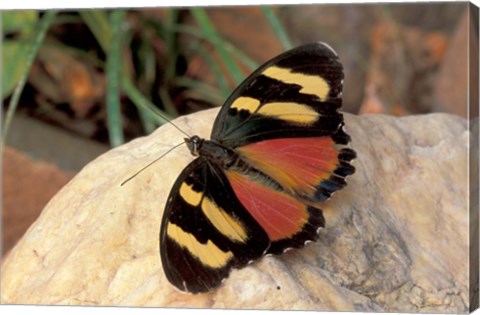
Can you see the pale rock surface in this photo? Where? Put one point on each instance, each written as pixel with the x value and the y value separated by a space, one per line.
pixel 396 237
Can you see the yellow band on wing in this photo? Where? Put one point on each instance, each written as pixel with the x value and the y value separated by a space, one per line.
pixel 208 254
pixel 311 84
pixel 190 196
pixel 247 103
pixel 293 112
pixel 223 222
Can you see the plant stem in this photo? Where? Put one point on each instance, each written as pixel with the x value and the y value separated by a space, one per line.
pixel 113 68
pixel 142 102
pixel 37 40
pixel 277 27
pixel 206 25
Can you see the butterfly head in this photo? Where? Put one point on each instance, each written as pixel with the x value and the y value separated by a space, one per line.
pixel 194 143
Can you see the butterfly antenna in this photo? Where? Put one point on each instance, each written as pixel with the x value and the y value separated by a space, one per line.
pixel 178 128
pixel 164 117
pixel 168 120
pixel 149 164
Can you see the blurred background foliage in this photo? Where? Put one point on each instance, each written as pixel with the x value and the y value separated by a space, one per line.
pixel 113 75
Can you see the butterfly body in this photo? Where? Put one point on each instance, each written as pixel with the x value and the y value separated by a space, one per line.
pixel 277 150
pixel 212 151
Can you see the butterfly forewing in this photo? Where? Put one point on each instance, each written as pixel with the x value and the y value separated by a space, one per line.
pixel 296 94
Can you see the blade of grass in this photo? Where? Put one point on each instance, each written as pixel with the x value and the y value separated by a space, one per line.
pixel 67 19
pixel 43 25
pixel 277 27
pixel 108 35
pixel 76 52
pixel 99 25
pixel 148 124
pixel 113 68
pixel 194 31
pixel 217 72
pixel 169 41
pixel 142 102
pixel 147 71
pixel 210 93
pixel 172 54
pixel 206 25
pixel 167 102
pixel 147 77
pixel 231 49
pixel 170 70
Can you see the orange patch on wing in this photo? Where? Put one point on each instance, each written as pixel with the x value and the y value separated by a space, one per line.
pixel 279 214
pixel 298 164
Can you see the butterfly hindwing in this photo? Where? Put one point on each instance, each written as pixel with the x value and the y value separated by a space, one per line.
pixel 288 222
pixel 205 230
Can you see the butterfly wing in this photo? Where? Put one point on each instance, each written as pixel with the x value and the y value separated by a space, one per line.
pixel 296 94
pixel 288 222
pixel 205 230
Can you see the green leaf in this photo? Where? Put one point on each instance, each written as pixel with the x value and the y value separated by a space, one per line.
pixel 14 61
pixel 31 51
pixel 19 21
pixel 14 51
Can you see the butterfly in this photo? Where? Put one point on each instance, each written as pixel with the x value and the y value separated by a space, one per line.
pixel 277 150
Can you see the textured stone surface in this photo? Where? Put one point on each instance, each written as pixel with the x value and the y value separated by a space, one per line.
pixel 27 186
pixel 396 237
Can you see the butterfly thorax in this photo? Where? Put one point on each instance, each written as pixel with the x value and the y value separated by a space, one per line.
pixel 212 151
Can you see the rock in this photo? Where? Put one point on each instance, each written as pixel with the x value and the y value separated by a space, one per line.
pixel 28 185
pixel 396 238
